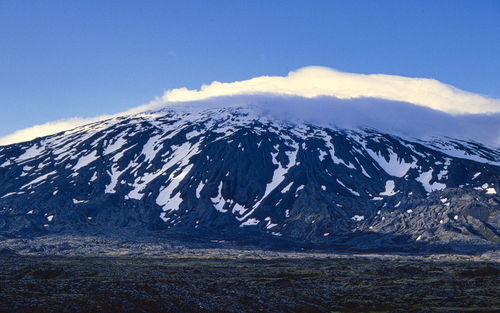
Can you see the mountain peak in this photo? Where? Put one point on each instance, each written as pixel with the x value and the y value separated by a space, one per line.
pixel 237 174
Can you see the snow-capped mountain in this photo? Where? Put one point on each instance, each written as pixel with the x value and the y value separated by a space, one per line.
pixel 234 174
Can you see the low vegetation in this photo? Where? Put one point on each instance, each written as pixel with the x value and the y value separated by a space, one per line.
pixel 237 284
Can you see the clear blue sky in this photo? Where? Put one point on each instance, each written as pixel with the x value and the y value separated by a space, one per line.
pixel 65 58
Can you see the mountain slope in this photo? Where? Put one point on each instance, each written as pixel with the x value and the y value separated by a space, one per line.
pixel 232 174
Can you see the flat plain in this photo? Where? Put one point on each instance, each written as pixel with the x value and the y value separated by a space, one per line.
pixel 232 283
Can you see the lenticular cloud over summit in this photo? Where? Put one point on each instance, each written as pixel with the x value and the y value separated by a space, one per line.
pixel 316 81
pixel 344 99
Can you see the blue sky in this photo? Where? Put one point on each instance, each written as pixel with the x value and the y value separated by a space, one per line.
pixel 60 59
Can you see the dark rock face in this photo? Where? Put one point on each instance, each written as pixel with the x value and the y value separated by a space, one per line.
pixel 228 174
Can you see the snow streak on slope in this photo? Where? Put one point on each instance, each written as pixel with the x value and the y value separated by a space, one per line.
pixel 169 198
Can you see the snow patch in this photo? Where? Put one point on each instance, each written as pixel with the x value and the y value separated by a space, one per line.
pixel 395 166
pixel 278 175
pixel 39 179
pixel 250 222
pixel 364 171
pixel 86 160
pixel 299 189
pixel 491 191
pixel 193 134
pixel 331 149
pixel 163 217
pixel 182 155
pixel 115 146
pixel 358 218
pixel 389 189
pixel 238 208
pixel 322 155
pixel 441 174
pixel 169 200
pixel 114 175
pixel 425 179
pixel 30 153
pixel 219 201
pixel 199 188
pixel 285 190
pixel 9 194
pixel 352 191
pixel 269 223
pixel 151 148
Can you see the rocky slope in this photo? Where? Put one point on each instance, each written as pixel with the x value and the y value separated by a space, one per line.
pixel 232 175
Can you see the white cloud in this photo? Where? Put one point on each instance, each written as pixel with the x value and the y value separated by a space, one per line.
pixel 45 129
pixel 55 127
pixel 339 97
pixel 315 81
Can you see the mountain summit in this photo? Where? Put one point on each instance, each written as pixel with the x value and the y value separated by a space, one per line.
pixel 237 175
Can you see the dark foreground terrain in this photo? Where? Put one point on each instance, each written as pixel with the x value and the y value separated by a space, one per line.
pixel 238 284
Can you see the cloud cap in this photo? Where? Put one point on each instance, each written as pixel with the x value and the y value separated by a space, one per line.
pixel 316 81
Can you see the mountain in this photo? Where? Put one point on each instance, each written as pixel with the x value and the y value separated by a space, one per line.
pixel 236 176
